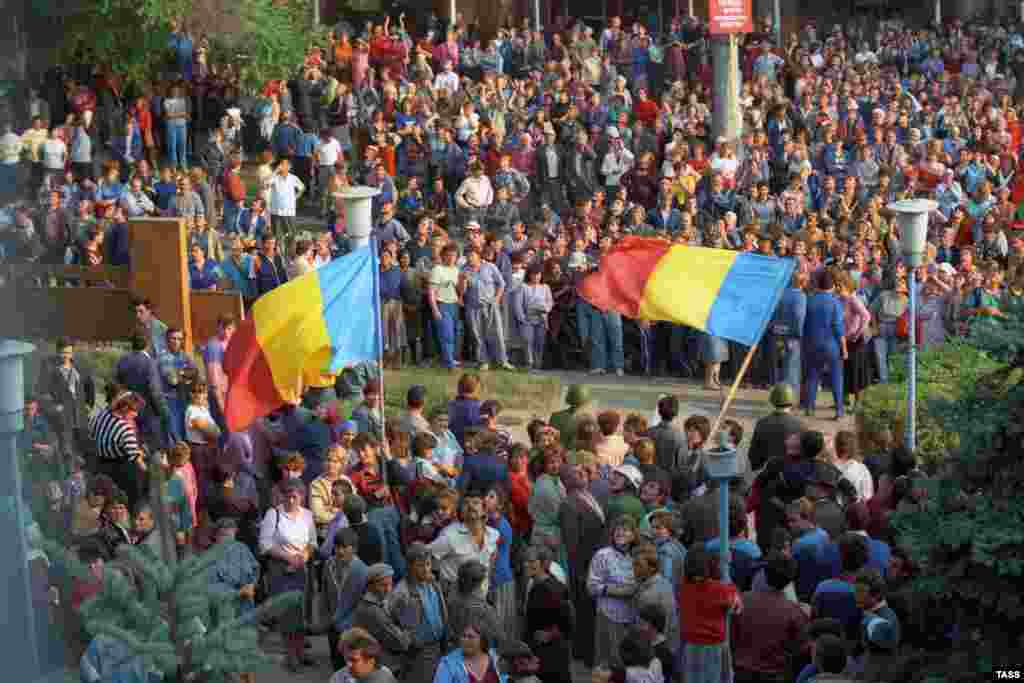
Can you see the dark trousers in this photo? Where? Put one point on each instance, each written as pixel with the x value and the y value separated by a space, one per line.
pixel 818 362
pixel 337 659
pixel 304 171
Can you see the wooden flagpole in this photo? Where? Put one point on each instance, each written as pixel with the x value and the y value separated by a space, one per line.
pixel 732 390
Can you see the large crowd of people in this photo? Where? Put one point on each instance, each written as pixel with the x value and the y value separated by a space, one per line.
pixel 436 548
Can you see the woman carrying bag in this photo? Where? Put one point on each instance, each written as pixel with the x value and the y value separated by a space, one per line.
pixel 287 542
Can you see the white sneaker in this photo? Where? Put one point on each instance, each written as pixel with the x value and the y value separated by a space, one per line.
pixel 596 371
pixel 619 372
pixel 507 366
pixel 484 367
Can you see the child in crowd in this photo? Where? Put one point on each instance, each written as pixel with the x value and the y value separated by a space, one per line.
pixel 704 602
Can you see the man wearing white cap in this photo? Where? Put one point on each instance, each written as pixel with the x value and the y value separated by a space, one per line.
pixel 617 162
pixel 475 195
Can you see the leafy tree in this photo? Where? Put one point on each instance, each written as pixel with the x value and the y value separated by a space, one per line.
pixel 968 536
pixel 264 38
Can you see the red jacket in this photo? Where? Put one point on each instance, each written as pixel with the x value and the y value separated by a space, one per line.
pixel 234 187
pixel 646 111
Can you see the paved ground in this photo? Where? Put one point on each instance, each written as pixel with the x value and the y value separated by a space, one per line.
pixel 631 394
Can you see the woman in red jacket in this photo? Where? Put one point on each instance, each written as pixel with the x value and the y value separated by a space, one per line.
pixel 645 109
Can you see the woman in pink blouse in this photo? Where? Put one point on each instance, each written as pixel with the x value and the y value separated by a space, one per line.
pixel 858 369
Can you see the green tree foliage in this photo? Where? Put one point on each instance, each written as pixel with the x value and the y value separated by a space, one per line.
pixel 264 39
pixel 968 535
pixel 939 373
pixel 170 617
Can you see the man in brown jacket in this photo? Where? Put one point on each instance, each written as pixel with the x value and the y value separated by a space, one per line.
pixel 234 193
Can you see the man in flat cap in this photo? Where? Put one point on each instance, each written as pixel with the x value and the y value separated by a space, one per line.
pixel 374 615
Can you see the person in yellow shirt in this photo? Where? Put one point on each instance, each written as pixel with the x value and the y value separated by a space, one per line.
pixel 33 140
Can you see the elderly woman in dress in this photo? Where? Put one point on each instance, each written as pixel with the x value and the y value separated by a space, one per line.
pixel 288 540
pixel 611 582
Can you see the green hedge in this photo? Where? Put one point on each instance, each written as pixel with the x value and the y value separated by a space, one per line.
pixel 940 372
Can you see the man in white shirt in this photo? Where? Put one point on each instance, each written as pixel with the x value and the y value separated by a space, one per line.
pixel 326 153
pixel 135 202
pixel 447 79
pixel 10 155
pixel 617 161
pixel 475 195
pixel 54 154
pixel 285 190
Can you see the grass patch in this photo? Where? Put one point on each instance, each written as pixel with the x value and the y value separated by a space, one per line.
pixel 517 392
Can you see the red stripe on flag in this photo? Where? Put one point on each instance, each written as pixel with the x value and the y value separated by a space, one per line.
pixel 618 284
pixel 252 393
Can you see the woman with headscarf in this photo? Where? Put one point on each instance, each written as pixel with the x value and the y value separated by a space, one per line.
pixel 612 584
pixel 546 501
pixel 582 522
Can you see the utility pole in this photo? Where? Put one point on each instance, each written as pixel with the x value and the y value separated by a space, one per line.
pixel 23 661
pixel 777 22
pixel 726 119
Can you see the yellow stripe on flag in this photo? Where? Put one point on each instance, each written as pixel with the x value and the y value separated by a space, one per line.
pixel 684 285
pixel 291 331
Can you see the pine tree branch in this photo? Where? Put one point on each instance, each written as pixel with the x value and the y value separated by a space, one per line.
pixel 153 572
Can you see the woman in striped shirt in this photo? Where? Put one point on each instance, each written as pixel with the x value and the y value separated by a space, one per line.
pixel 119 454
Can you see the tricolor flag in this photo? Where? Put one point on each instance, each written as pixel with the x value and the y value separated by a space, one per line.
pixel 316 324
pixel 725 293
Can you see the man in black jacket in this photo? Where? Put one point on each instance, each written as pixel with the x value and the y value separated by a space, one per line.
pixel 579 173
pixel 771 431
pixel 68 394
pixel 548 165
pixel 138 372
pixel 268 269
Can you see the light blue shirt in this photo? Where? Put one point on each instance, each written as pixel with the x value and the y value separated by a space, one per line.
pixel 483 285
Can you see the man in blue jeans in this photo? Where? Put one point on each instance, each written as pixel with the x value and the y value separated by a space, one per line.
pixel 176 127
pixel 606 353
pixel 787 326
pixel 444 294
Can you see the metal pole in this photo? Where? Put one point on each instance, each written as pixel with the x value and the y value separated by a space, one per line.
pixel 536 15
pixel 938 12
pixel 777 21
pixel 690 8
pixel 723 528
pixel 316 13
pixel 911 435
pixel 725 119
pixel 912 218
pixel 23 662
